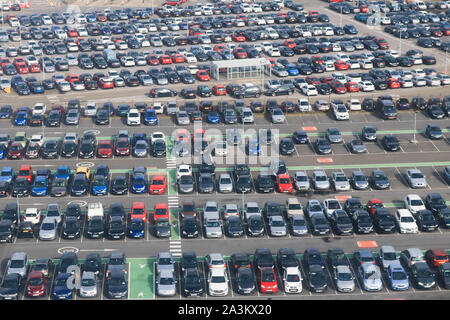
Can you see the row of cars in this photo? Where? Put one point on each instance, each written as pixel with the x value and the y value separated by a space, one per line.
pixel 260 272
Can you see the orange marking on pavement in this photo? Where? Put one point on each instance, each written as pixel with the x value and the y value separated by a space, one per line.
pixel 367 244
pixel 309 128
pixel 342 198
pixel 324 160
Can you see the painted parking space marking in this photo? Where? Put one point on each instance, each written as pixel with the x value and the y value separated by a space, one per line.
pixel 367 244
pixel 309 128
pixel 342 198
pixel 325 160
pixel 141 277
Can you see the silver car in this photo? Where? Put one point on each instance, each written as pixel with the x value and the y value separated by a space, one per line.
pixel 344 279
pixel 247 115
pixel 359 180
pixel 225 183
pixel 213 228
pixel 277 116
pixel 357 146
pixel 18 264
pixel 89 285
pixel 388 256
pixel 48 229
pixel 166 283
pixel 54 212
pixel 301 181
pixel 140 149
pixel 320 180
pixel 277 226
pixel 340 181
pixel 370 276
pixel 298 225
pixel 210 210
pixel 72 117
pixel 416 179
pixel 251 209
pixel 183 118
pixel 334 135
pixel 164 261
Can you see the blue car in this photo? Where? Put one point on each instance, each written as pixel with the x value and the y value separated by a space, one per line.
pixel 5 112
pixel 150 117
pixel 109 106
pixel 123 110
pixel 213 117
pixel 36 87
pixel 292 70
pixel 254 149
pixel 60 289
pixel 139 184
pixel 362 17
pixel 91 18
pixel 63 172
pixel 39 187
pixel 7 174
pixel 21 119
pixel 397 277
pixel 136 228
pixel 3 151
pixel 100 186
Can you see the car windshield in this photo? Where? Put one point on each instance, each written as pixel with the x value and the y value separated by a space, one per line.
pixel 17 264
pixel 268 277
pixel 117 282
pixel 277 223
pixel 427 218
pixel 218 279
pixel 213 224
pixel 36 281
pixel 295 206
pixel 424 273
pixel 390 256
pixel 61 282
pixel 47 226
pixel 407 219
pixel 371 274
pixel 88 282
pixel 416 203
pixel 344 276
pixel 417 176
pixel 333 205
pixel 166 281
pixel 165 261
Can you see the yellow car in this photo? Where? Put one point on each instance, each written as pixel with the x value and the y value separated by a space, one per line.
pixel 84 170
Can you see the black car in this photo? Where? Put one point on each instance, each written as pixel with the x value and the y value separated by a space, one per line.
pixel 73 210
pixel 322 146
pixel 313 257
pixel 203 91
pixel 384 221
pixel 280 91
pixel 67 259
pixel 240 260
pixel 21 187
pixel 341 222
pixel 435 111
pixel 5 189
pixel 317 281
pixel 245 280
pixel 244 184
pixel 444 218
pixel 71 228
pixel 119 185
pixel 286 146
pixel 116 209
pixel 189 227
pixel 336 257
pixel 351 205
pixel 102 117
pixel 95 227
pixel 426 221
pixel 192 283
pixel 69 149
pixel 379 180
pixel 92 263
pixel 7 231
pixel 300 137
pixel 233 227
pixel 264 183
pixel 86 150
pixel 444 274
pixel 50 149
pixel 188 260
pixel 390 143
pixel 80 185
pixel 435 203
pixel 422 276
pixel 286 258
pixel 25 230
pixel 158 148
pixel 362 221
pixel 433 131
pixel 255 226
pixel 263 258
pixel 9 288
pixel 116 228
pixel 116 285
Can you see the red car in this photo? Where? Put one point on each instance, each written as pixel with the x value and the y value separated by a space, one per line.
pixel 72 77
pixel 123 147
pixel 101 17
pixel 15 151
pixel 393 83
pixel 36 284
pixel 219 47
pixel 25 171
pixel 178 58
pixel 4 62
pixel 326 80
pixel 202 75
pixel 338 87
pixel 382 43
pixel 182 134
pixel 436 257
pixel 138 211
pixel 165 59
pixel 267 280
pixel 352 87
pixel 289 43
pixel 240 53
pixel 106 83
pixel 160 211
pixel 32 151
pixel 22 68
pixel 284 183
pixel 373 204
pixel 312 80
pixel 341 65
pixel 34 68
pixel 105 149
pixel 158 185
pixel 219 90
pixel 152 60
pixel 73 33
pixel 238 38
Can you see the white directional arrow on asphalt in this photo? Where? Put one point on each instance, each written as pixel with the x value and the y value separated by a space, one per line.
pixel 141 266
pixel 140 295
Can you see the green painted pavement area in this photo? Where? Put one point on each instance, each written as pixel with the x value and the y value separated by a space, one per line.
pixel 141 283
pixel 174 224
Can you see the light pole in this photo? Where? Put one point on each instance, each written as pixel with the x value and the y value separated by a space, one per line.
pixel 400 53
pixel 340 19
pixel 414 140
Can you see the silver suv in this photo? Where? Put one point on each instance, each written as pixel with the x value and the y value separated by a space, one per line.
pixel 344 279
pixel 18 264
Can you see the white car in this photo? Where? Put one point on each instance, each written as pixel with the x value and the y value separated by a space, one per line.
pixel 340 112
pixel 406 82
pixel 37 139
pixel 432 81
pixel 133 117
pixel 220 150
pixel 336 47
pixel 309 90
pixel 274 52
pixel 414 203
pixel 32 215
pixel 445 79
pixel 158 107
pixel 217 282
pixel 190 57
pixel 366 64
pixel 342 56
pixel 39 108
pixel 329 66
pixel 370 276
pixel 157 136
pixel 304 105
pixel 353 105
pixel 184 170
pixel 292 280
pixel 366 86
pixel 330 206
pixel 419 82
pixel 405 221
pixel 91 109
pixel 127 61
pixel 418 73
pixel 393 53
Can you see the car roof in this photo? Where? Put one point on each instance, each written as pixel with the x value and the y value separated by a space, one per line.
pixel 19 256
